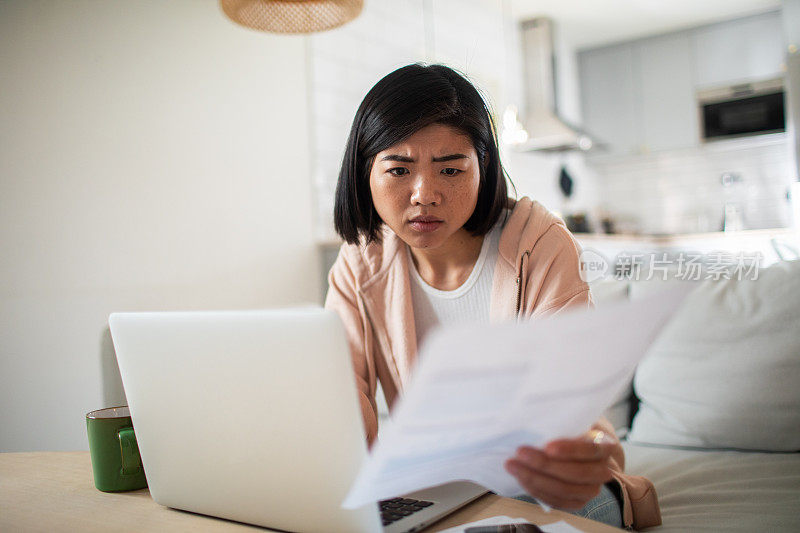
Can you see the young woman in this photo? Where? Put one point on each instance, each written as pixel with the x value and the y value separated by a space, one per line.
pixel 431 238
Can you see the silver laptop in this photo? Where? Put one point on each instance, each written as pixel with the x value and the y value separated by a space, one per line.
pixel 253 416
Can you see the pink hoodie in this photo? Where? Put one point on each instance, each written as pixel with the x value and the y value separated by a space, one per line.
pixel 536 274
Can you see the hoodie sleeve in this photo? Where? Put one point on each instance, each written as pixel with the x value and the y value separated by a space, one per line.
pixel 342 298
pixel 639 499
pixel 553 285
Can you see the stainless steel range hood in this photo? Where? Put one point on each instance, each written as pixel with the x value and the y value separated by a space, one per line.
pixel 546 130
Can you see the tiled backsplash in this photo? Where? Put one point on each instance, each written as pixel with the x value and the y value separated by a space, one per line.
pixel 681 191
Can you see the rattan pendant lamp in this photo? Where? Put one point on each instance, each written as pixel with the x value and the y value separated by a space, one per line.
pixel 291 16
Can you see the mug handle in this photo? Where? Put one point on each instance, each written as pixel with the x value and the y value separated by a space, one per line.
pixel 131 461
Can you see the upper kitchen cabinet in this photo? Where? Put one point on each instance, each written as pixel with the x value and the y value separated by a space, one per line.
pixel 668 113
pixel 640 96
pixel 739 50
pixel 607 95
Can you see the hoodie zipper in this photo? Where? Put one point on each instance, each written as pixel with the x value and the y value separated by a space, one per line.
pixel 519 282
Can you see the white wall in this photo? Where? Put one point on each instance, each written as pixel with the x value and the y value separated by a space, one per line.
pixel 153 155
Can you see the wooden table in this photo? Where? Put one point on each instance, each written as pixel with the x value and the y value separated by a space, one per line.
pixel 54 491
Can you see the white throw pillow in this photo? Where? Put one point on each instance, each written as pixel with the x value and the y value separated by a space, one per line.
pixel 725 372
pixel 604 292
pixel 607 291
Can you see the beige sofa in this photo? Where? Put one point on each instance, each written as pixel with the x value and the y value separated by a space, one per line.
pixel 712 416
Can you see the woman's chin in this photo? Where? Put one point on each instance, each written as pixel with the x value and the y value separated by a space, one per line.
pixel 424 241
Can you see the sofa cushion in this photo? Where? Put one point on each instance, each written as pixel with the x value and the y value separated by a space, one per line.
pixel 604 292
pixel 725 371
pixel 608 290
pixel 715 490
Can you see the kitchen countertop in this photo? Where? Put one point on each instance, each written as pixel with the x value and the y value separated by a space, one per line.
pixel 671 238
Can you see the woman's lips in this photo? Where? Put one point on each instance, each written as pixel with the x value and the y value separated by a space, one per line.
pixel 425 226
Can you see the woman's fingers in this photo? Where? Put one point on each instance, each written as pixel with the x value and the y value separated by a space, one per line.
pixel 579 449
pixel 567 473
pixel 580 472
pixel 552 490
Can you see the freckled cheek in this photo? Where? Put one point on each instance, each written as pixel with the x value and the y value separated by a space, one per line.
pixel 464 196
pixel 390 199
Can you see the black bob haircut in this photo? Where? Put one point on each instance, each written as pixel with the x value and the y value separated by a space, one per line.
pixel 400 104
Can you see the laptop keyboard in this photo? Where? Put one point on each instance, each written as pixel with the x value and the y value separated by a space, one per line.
pixel 397 508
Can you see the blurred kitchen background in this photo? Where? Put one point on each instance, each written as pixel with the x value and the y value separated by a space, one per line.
pixel 156 155
pixel 648 126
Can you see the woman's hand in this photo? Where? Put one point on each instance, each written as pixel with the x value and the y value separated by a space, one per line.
pixel 567 473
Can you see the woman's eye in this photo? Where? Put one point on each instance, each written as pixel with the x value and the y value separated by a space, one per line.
pixel 397 171
pixel 450 171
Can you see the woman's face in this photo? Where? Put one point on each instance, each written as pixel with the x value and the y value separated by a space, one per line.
pixel 425 188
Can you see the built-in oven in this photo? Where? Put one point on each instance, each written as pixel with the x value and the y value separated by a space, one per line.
pixel 744 109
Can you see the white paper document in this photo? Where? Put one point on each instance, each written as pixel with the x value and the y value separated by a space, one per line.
pixel 481 391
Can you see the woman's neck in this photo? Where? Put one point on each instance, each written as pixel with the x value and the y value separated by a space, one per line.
pixel 447 267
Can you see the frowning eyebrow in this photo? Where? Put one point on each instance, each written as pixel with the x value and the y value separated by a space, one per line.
pixel 406 159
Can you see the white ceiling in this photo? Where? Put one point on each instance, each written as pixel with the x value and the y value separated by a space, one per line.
pixel 588 23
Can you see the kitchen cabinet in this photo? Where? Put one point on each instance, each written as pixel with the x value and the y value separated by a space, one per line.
pixel 640 96
pixel 608 91
pixel 790 13
pixel 738 50
pixel 766 242
pixel 668 115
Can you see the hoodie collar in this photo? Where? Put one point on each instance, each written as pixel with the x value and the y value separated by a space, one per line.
pixel 526 223
pixel 529 220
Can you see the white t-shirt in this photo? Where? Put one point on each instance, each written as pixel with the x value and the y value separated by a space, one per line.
pixel 468 303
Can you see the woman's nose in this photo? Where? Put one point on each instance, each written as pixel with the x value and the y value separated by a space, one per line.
pixel 425 192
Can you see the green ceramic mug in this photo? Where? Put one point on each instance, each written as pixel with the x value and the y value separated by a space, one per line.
pixel 116 464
